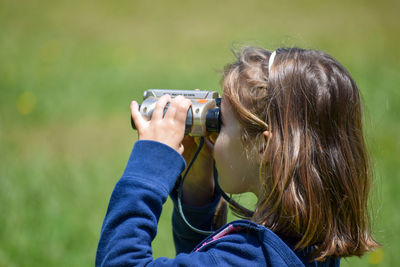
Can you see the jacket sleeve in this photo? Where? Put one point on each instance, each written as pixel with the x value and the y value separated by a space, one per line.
pixel 130 224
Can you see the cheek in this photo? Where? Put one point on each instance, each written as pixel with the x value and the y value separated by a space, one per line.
pixel 217 151
pixel 237 173
pixel 220 149
pixel 221 156
pixel 225 157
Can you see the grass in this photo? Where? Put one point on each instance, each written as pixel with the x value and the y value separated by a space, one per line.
pixel 69 69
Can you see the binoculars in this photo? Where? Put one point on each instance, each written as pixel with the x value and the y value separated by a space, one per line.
pixel 203 116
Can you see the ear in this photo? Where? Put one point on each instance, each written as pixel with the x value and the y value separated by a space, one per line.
pixel 267 136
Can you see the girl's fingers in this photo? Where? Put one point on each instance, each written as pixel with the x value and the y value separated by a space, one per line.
pixel 181 110
pixel 174 106
pixel 159 108
pixel 197 140
pixel 136 116
pixel 171 111
pixel 213 137
pixel 209 144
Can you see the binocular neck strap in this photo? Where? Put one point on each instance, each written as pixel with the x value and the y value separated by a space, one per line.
pixel 216 190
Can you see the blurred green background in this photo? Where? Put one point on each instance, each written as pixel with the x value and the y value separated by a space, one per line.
pixel 69 69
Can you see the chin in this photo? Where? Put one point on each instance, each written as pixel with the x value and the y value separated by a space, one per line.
pixel 229 188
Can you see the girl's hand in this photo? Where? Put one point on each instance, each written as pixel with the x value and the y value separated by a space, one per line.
pixel 169 129
pixel 198 188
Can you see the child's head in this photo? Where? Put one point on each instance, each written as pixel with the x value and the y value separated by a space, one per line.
pixel 313 166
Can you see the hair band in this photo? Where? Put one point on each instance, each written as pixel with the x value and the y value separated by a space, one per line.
pixel 271 60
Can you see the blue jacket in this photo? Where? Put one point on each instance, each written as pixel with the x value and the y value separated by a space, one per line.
pixel 135 206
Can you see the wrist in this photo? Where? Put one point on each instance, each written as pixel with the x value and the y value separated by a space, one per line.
pixel 170 164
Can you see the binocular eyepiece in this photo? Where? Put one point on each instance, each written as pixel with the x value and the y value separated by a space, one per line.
pixel 203 116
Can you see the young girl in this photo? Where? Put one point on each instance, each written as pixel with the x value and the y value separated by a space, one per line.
pixel 291 134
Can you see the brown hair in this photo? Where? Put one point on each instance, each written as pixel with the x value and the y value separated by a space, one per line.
pixel 315 172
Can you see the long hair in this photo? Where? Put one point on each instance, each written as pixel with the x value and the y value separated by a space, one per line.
pixel 315 173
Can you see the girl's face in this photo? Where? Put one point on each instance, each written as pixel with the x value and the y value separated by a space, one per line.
pixel 238 173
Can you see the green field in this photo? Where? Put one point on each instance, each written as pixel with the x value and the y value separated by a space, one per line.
pixel 69 70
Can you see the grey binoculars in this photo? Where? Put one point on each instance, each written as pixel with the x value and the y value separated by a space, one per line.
pixel 203 116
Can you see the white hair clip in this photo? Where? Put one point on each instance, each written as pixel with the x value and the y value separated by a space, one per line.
pixel 271 60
